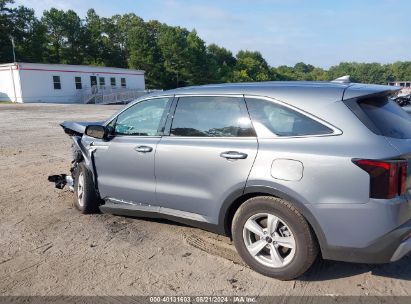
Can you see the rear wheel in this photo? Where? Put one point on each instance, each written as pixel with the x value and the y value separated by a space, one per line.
pixel 86 199
pixel 273 238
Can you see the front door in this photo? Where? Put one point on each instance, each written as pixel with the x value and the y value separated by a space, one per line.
pixel 125 163
pixel 208 155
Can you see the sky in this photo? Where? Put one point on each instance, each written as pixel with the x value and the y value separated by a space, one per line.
pixel 318 32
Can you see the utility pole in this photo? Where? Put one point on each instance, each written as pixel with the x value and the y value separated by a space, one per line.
pixel 13 45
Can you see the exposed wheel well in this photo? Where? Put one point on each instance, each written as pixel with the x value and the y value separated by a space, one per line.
pixel 240 200
pixel 234 207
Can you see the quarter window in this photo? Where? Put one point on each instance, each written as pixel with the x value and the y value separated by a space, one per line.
pixel 142 119
pixel 123 82
pixel 211 117
pixel 270 119
pixel 56 82
pixel 77 81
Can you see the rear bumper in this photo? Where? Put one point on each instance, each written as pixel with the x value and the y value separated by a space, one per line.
pixel 388 248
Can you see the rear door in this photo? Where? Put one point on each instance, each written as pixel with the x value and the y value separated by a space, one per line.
pixel 208 154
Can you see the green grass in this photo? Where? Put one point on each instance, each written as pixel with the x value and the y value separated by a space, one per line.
pixel 6 102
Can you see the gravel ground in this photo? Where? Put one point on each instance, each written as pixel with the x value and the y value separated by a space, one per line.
pixel 48 248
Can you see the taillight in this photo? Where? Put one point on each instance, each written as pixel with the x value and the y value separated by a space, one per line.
pixel 403 176
pixel 387 178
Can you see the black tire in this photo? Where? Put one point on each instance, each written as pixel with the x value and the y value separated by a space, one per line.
pixel 90 199
pixel 306 247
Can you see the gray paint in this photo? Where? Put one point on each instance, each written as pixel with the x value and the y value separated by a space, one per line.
pixel 186 176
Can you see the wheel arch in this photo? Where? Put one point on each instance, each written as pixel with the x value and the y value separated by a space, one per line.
pixel 86 158
pixel 236 199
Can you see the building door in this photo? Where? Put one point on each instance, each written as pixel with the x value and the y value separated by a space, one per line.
pixel 93 84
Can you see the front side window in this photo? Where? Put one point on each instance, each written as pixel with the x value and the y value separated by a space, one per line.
pixel 142 119
pixel 211 117
pixel 56 83
pixel 270 118
pixel 77 81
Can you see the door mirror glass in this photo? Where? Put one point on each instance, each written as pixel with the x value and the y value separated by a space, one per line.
pixel 96 131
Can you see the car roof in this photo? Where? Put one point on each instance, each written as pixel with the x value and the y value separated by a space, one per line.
pixel 302 94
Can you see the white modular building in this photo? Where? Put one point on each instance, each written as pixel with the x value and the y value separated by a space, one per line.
pixel 62 83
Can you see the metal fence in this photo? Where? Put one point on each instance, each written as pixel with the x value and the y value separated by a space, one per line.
pixel 111 95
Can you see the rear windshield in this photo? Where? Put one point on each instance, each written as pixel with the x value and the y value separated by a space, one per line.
pixel 387 117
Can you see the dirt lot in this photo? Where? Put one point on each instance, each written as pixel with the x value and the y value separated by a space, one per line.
pixel 48 248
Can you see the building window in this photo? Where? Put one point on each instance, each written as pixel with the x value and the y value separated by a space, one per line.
pixel 113 81
pixel 123 82
pixel 102 82
pixel 56 82
pixel 77 81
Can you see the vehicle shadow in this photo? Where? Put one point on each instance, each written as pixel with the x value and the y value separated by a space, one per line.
pixel 323 270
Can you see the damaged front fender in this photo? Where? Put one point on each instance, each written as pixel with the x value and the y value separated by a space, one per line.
pixel 82 152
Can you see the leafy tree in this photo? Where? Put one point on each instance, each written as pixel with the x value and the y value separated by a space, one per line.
pixel 171 56
pixel 145 54
pixel 197 70
pixel 221 64
pixel 6 51
pixel 251 66
pixel 65 34
pixel 172 42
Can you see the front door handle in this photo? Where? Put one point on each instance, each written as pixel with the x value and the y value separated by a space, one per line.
pixel 94 146
pixel 233 155
pixel 143 149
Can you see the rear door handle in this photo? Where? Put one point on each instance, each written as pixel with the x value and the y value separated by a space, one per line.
pixel 143 149
pixel 233 155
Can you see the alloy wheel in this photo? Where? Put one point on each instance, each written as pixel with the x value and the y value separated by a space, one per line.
pixel 269 240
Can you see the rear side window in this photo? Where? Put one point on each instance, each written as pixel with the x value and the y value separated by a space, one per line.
pixel 384 117
pixel 211 117
pixel 270 119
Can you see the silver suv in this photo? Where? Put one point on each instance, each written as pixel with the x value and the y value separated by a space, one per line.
pixel 286 169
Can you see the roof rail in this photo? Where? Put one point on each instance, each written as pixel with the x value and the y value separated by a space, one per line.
pixel 343 79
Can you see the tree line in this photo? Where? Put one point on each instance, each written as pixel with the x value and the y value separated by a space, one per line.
pixel 171 56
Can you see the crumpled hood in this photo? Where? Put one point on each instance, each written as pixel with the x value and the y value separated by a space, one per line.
pixel 77 128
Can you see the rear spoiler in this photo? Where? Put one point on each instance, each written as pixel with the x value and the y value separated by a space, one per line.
pixel 357 90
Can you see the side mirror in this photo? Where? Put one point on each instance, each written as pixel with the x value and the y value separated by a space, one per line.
pixel 96 131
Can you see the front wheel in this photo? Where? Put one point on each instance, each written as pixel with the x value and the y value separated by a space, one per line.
pixel 273 238
pixel 86 199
